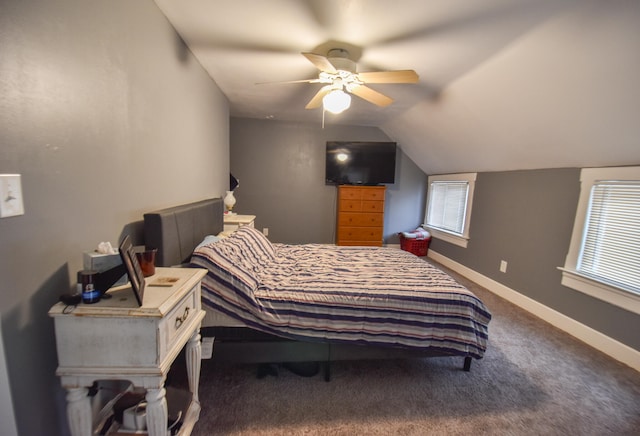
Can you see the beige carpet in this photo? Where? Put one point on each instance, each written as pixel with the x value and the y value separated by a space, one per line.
pixel 533 380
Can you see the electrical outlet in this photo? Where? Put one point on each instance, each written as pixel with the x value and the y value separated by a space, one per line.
pixel 265 231
pixel 207 347
pixel 503 266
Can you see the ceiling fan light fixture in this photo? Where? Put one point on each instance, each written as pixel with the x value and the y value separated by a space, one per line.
pixel 337 101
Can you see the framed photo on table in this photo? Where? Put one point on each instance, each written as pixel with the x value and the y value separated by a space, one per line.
pixel 132 265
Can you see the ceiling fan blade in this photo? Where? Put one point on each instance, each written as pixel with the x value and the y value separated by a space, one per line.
pixel 316 101
pixel 399 76
pixel 321 62
pixel 289 81
pixel 371 96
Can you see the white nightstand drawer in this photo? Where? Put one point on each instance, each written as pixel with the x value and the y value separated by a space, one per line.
pixel 179 320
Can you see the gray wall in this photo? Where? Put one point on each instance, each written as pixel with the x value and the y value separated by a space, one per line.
pixel 281 168
pixel 526 218
pixel 106 115
pixel 7 415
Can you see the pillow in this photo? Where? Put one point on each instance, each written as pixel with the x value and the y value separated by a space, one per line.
pixel 254 245
pixel 227 266
pixel 209 239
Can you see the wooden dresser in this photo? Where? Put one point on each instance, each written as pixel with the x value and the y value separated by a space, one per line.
pixel 360 215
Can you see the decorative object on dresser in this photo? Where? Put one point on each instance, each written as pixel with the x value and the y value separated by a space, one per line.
pixel 360 219
pixel 229 199
pixel 116 339
pixel 134 271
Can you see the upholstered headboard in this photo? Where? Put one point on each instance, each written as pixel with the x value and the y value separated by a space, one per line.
pixel 176 231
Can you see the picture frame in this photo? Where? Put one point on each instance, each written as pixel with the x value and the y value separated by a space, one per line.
pixel 134 271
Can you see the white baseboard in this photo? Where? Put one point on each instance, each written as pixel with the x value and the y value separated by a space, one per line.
pixel 617 350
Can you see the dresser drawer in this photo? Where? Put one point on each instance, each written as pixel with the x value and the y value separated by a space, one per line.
pixel 372 194
pixel 347 243
pixel 360 234
pixel 372 206
pixel 361 219
pixel 362 192
pixel 361 206
pixel 347 205
pixel 350 193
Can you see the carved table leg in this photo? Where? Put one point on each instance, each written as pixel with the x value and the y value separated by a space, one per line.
pixel 79 411
pixel 194 359
pixel 157 413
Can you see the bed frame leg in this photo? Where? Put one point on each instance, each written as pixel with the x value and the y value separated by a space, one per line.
pixel 266 369
pixel 327 371
pixel 327 365
pixel 467 363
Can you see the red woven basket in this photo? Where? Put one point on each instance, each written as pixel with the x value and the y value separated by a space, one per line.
pixel 419 247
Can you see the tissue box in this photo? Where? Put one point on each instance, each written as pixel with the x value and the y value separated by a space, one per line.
pixel 102 262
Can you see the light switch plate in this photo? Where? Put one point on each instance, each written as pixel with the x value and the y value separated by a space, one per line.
pixel 10 195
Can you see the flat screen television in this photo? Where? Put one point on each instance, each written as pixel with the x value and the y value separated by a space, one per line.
pixel 360 163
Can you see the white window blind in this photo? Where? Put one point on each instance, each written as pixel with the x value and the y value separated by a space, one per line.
pixel 448 205
pixel 610 249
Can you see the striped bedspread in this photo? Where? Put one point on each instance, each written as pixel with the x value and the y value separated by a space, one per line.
pixel 364 295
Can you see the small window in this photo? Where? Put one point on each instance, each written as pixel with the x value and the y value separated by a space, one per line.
pixel 449 207
pixel 604 256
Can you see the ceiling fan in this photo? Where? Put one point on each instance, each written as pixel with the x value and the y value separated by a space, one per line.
pixel 338 73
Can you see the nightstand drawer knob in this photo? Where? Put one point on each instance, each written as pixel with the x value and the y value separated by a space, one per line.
pixel 181 319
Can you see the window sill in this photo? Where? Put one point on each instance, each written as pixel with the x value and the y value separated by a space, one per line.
pixel 617 297
pixel 460 241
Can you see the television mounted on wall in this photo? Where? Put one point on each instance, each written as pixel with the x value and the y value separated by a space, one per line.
pixel 360 163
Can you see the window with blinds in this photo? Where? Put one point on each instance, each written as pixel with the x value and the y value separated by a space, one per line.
pixel 611 245
pixel 448 210
pixel 448 205
pixel 604 254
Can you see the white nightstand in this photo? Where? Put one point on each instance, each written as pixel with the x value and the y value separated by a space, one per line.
pixel 115 339
pixel 233 222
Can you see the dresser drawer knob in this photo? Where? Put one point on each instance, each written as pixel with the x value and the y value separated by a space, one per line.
pixel 181 319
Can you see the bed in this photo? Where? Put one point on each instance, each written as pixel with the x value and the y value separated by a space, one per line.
pixel 270 302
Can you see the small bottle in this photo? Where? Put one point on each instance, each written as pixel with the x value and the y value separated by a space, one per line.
pixel 86 279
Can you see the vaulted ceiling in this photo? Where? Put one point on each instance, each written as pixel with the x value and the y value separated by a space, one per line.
pixel 504 84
